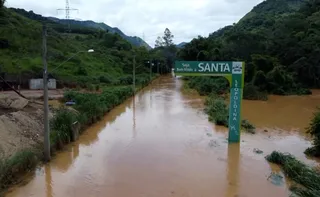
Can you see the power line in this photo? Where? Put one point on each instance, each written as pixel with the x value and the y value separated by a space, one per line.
pixel 67 9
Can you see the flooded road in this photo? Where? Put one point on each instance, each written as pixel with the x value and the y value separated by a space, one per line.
pixel 164 146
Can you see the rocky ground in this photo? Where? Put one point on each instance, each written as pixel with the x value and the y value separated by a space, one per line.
pixel 35 94
pixel 21 124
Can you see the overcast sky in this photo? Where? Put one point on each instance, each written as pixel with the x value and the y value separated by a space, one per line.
pixel 148 18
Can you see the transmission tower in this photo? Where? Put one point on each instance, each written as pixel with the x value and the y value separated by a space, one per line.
pixel 67 9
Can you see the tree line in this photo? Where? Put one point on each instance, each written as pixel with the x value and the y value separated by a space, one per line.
pixel 278 40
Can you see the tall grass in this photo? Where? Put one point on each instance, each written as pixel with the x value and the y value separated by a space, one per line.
pixel 61 130
pixel 93 106
pixel 13 167
pixel 307 178
pixel 314 130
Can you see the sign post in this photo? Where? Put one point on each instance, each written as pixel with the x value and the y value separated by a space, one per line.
pixel 234 73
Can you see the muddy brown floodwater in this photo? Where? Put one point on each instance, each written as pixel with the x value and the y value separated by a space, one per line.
pixel 163 146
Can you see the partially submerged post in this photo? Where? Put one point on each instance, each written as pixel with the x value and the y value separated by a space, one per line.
pixel 234 72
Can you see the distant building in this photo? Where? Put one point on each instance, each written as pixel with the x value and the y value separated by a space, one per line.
pixel 37 84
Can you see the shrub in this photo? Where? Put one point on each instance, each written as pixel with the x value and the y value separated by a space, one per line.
pixel 19 163
pixel 105 79
pixel 218 113
pixel 248 127
pixel 209 85
pixel 251 92
pixel 61 125
pixel 93 106
pixel 308 178
pixel 314 130
pixel 217 110
pixel 97 87
pixel 126 80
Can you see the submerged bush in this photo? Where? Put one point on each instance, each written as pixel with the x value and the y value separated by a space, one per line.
pixel 251 92
pixel 300 173
pixel 248 127
pixel 314 130
pixel 217 110
pixel 218 113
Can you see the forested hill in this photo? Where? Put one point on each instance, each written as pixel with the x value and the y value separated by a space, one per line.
pixel 279 40
pixel 134 40
pixel 21 49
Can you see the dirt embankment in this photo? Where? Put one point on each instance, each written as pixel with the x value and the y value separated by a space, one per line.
pixel 21 124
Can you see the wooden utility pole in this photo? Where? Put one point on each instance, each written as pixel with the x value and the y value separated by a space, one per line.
pixel 158 66
pixel 47 155
pixel 150 76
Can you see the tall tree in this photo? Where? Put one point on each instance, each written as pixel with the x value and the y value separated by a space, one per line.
pixel 159 42
pixel 2 3
pixel 168 38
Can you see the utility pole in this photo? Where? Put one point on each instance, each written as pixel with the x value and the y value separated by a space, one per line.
pixel 150 69
pixel 19 78
pixel 47 155
pixel 158 66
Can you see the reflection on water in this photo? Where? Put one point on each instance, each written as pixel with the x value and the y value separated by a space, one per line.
pixel 233 169
pixel 134 118
pixel 160 143
pixel 48 181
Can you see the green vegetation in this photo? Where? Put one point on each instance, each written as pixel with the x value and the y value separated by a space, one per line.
pixel 89 108
pixel 307 178
pixel 209 85
pixel 217 110
pixel 314 130
pixel 79 26
pixel 12 168
pixel 110 64
pixel 165 48
pixel 107 72
pixel 61 130
pixel 2 3
pixel 276 40
pixel 92 107
pixel 218 113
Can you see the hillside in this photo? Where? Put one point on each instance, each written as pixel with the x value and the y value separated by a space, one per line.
pixel 181 45
pixel 20 51
pixel 136 41
pixel 278 40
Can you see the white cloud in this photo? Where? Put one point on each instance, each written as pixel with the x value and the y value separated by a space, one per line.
pixel 185 18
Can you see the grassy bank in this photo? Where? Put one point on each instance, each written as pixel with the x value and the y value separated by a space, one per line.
pixel 307 179
pixel 18 164
pixel 89 108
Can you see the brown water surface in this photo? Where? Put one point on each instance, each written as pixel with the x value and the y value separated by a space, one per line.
pixel 164 146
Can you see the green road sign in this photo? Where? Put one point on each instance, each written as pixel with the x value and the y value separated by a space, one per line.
pixel 234 72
